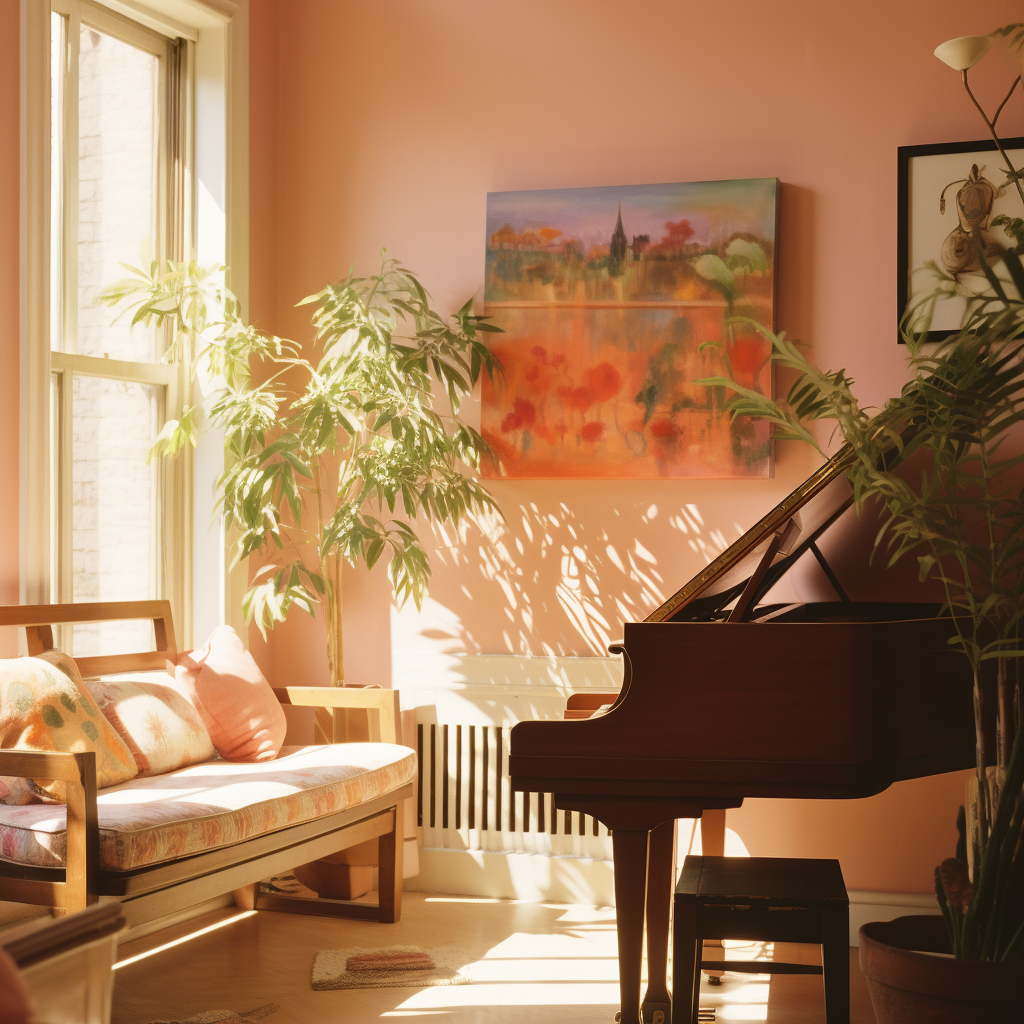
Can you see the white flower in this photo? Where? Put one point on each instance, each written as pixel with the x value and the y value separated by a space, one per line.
pixel 964 51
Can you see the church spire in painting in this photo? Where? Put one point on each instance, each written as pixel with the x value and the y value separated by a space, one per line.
pixel 617 248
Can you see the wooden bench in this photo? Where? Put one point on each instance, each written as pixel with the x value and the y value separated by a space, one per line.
pixel 155 891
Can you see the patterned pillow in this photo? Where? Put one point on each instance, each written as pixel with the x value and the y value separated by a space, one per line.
pixel 45 706
pixel 161 729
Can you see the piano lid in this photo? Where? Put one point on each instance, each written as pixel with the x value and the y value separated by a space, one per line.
pixel 800 519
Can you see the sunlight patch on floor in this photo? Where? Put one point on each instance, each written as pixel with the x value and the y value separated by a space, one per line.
pixel 524 994
pixel 185 938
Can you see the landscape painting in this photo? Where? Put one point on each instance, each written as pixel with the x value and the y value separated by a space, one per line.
pixel 615 302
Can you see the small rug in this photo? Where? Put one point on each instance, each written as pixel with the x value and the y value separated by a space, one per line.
pixel 224 1016
pixel 390 967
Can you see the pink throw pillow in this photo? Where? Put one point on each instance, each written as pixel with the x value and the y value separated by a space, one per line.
pixel 224 684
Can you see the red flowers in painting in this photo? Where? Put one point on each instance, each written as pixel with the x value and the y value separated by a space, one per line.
pixel 747 356
pixel 522 416
pixel 604 381
pixel 580 399
pixel 591 431
pixel 663 429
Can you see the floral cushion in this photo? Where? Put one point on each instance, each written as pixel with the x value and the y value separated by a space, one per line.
pixel 218 803
pixel 44 706
pixel 161 729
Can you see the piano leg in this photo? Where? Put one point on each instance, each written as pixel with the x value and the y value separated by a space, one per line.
pixel 630 850
pixel 661 872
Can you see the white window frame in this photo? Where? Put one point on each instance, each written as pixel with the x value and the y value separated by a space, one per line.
pixel 171 478
pixel 217 35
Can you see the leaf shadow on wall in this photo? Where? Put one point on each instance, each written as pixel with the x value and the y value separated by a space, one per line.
pixel 557 577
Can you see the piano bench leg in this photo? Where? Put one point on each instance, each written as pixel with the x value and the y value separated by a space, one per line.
pixel 835 962
pixel 685 964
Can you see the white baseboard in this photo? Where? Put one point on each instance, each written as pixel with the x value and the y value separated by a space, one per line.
pixel 884 906
pixel 536 877
pixel 515 876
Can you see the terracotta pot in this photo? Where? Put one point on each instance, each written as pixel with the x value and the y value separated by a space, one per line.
pixel 911 987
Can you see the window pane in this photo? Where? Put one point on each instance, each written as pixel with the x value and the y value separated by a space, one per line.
pixel 113 519
pixel 117 188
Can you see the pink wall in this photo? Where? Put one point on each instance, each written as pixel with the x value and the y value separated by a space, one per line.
pixel 388 124
pixel 9 287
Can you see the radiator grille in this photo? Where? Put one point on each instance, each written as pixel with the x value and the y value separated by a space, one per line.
pixel 465 801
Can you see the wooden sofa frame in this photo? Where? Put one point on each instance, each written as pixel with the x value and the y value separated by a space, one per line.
pixel 153 892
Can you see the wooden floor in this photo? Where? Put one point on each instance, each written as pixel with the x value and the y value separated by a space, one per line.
pixel 533 963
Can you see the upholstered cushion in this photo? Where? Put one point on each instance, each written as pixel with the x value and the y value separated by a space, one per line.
pixel 45 706
pixel 214 804
pixel 243 717
pixel 161 729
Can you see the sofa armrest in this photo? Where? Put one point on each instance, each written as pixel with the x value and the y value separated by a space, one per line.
pixel 383 726
pixel 78 773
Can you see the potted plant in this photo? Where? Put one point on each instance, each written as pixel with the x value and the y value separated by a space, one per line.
pixel 944 464
pixel 333 450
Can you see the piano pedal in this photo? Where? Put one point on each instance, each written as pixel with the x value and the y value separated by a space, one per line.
pixel 656 1013
pixel 706 1015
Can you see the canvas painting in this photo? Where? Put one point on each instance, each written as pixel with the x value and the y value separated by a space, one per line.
pixel 615 302
pixel 946 191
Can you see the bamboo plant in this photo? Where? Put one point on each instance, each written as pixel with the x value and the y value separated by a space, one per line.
pixel 959 509
pixel 335 449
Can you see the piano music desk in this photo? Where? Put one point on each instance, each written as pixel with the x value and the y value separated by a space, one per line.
pixel 762 899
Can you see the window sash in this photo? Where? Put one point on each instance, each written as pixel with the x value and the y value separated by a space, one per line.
pixel 172 479
pixel 215 145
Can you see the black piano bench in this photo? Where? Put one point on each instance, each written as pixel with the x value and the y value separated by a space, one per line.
pixel 763 899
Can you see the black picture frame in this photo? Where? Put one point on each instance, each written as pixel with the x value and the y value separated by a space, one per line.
pixel 905 207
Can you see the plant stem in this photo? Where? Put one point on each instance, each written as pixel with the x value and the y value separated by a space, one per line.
pixel 999 110
pixel 1004 715
pixel 992 131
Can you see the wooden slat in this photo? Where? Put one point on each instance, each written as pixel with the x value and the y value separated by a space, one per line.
pixel 320 907
pixel 73 614
pixel 108 664
pixel 38 618
pixel 38 892
pixel 384 702
pixel 758 967
pixel 83 837
pixel 40 764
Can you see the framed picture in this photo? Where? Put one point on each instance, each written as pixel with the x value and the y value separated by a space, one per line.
pixel 943 190
pixel 615 302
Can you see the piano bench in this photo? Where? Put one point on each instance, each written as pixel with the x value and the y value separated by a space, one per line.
pixel 762 899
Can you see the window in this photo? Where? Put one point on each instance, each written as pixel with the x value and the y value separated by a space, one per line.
pixel 118 174
pixel 139 108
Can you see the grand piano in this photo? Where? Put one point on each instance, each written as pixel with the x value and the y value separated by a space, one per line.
pixel 726 696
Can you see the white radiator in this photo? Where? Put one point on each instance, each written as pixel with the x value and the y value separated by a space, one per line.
pixel 465 802
pixel 476 837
